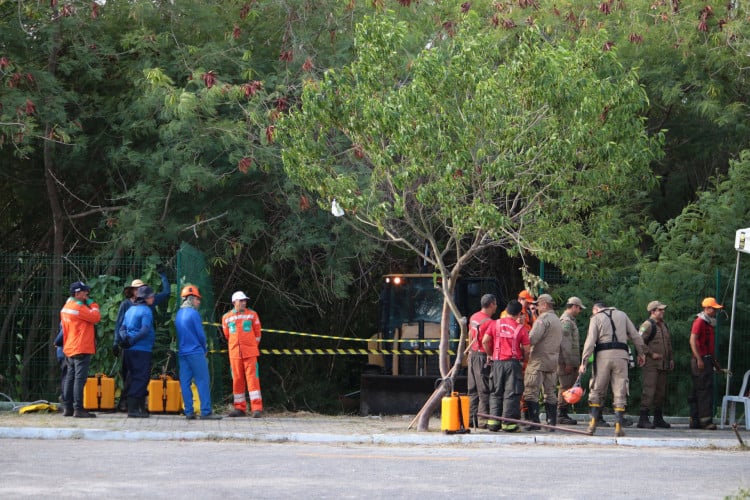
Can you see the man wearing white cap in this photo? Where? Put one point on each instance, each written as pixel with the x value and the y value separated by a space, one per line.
pixel 241 327
pixel 659 360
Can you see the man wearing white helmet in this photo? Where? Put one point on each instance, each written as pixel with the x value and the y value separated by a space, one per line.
pixel 241 327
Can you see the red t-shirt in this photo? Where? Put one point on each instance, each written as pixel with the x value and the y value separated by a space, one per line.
pixel 481 323
pixel 704 334
pixel 507 338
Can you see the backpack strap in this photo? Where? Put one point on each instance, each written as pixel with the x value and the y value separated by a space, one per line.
pixel 652 333
pixel 614 343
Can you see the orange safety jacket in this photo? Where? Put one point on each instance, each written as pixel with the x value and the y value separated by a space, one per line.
pixel 242 330
pixel 78 320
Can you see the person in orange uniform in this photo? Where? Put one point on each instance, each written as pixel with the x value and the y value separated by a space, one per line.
pixel 241 327
pixel 77 319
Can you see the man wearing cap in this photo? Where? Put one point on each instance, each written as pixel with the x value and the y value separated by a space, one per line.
pixel 541 372
pixel 127 303
pixel 570 353
pixel 241 327
pixel 478 372
pixel 137 337
pixel 77 320
pixel 608 334
pixel 527 317
pixel 659 360
pixel 702 365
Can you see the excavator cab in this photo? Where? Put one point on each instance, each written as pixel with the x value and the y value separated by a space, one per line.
pixel 411 305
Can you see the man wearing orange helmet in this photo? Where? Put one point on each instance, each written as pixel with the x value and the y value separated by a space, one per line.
pixel 241 327
pixel 191 354
pixel 702 365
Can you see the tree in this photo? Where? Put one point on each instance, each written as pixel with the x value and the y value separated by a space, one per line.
pixel 479 141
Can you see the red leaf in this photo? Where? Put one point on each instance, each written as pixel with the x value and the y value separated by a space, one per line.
pixel 269 133
pixel 304 203
pixel 244 164
pixel 4 62
pixel 236 32
pixel 209 78
pixel 30 107
pixel 94 10
pixel 252 88
pixel 308 65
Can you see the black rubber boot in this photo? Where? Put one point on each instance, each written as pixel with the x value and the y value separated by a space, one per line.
pixel 619 415
pixel 551 414
pixel 134 409
pixel 533 415
pixel 144 407
pixel 659 419
pixel 563 417
pixel 643 421
pixel 596 415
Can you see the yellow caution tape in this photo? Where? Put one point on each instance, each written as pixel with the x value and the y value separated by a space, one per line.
pixel 364 352
pixel 331 337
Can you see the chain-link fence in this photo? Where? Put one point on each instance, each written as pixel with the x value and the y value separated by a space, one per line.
pixel 33 289
pixel 192 269
pixel 631 293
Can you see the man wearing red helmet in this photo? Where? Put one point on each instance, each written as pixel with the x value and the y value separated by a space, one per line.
pixel 702 365
pixel 242 329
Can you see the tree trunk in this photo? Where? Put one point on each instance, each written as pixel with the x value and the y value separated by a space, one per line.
pixel 446 385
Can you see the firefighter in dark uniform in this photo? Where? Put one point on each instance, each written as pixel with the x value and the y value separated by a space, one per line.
pixel 659 360
pixel 609 331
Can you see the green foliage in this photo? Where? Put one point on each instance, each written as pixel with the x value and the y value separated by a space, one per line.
pixel 480 140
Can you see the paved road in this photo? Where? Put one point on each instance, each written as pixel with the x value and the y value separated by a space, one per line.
pixel 234 469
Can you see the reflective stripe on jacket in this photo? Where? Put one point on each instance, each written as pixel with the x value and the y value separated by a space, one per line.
pixel 78 320
pixel 242 330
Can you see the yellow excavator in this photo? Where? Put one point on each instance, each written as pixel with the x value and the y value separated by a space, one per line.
pixel 401 380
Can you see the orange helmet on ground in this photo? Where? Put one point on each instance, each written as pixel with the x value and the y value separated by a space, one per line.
pixel 573 395
pixel 190 290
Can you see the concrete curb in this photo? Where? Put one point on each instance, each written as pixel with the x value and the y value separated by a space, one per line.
pixel 423 439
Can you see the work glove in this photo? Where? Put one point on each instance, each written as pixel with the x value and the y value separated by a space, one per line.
pixel 116 350
pixel 161 269
pixel 125 342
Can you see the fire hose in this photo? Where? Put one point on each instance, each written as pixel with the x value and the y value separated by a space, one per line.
pixel 535 424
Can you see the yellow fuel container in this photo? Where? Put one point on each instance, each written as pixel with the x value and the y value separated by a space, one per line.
pixel 99 393
pixel 164 395
pixel 455 411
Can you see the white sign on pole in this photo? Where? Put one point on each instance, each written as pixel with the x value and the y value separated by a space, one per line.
pixel 742 240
